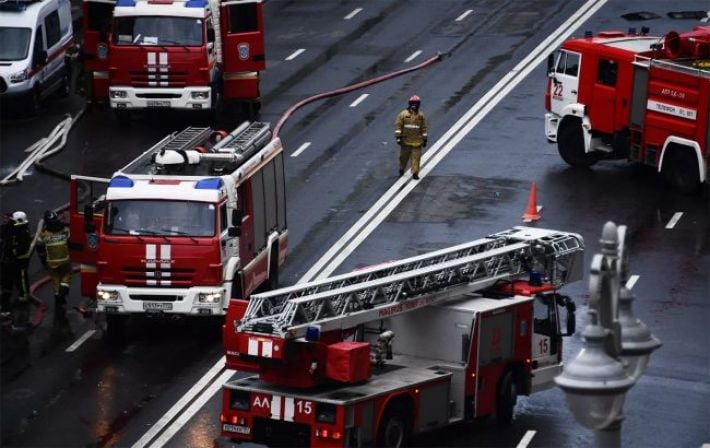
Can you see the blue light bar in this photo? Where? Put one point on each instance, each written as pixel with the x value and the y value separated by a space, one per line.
pixel 129 3
pixel 213 183
pixel 196 4
pixel 120 182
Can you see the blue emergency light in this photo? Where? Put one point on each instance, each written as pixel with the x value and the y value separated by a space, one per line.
pixel 196 4
pixel 120 182
pixel 313 333
pixel 212 183
pixel 127 3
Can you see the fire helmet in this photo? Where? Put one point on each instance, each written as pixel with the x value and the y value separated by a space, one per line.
pixel 50 217
pixel 414 100
pixel 19 217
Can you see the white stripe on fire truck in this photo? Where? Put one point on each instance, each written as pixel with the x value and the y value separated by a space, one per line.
pixel 289 409
pixel 150 252
pixel 165 255
pixel 151 67
pixel 276 407
pixel 163 68
pixel 267 348
pixel 253 347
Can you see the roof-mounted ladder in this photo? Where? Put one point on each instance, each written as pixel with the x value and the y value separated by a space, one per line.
pixel 245 143
pixel 187 139
pixel 383 291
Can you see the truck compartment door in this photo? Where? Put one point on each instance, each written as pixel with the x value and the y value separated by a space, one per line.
pixel 86 203
pixel 604 108
pixel 495 351
pixel 243 36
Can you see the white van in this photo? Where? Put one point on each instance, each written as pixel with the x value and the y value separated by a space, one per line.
pixel 34 38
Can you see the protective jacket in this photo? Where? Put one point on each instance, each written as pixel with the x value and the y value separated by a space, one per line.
pixel 53 247
pixel 19 244
pixel 411 128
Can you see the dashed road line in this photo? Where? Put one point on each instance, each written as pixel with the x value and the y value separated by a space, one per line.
pixel 414 55
pixel 355 12
pixel 81 340
pixel 295 54
pixel 525 441
pixel 631 282
pixel 464 15
pixel 360 99
pixel 674 220
pixel 300 149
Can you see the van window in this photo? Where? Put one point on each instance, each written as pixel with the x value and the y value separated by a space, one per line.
pixel 242 18
pixel 38 48
pixel 16 43
pixel 51 24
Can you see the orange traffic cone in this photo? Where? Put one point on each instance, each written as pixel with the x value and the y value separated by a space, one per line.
pixel 532 212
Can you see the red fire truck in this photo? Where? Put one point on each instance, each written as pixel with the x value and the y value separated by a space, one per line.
pixel 179 54
pixel 643 98
pixel 197 219
pixel 379 354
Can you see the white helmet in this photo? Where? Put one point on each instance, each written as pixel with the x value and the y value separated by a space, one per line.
pixel 19 217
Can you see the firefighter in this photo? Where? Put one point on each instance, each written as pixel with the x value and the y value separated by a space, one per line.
pixel 53 251
pixel 16 244
pixel 410 130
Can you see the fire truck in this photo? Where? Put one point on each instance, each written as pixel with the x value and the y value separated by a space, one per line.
pixel 382 353
pixel 178 54
pixel 195 220
pixel 632 96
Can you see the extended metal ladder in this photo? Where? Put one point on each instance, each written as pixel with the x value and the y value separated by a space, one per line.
pixel 187 139
pixel 382 291
pixel 246 142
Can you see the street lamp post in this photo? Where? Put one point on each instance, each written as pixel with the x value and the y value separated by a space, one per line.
pixel 616 348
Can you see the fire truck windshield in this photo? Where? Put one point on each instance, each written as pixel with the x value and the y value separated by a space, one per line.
pixel 16 43
pixel 158 30
pixel 162 218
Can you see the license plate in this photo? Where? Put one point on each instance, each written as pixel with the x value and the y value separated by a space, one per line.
pixel 157 306
pixel 236 429
pixel 151 103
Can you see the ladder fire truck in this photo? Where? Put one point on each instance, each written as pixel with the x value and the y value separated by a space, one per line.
pixel 379 354
pixel 197 219
pixel 643 98
pixel 179 54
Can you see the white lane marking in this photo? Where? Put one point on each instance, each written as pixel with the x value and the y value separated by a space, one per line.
pixel 300 149
pixel 182 403
pixel 631 282
pixel 81 340
pixel 402 187
pixel 674 220
pixel 360 99
pixel 193 409
pixel 525 441
pixel 414 55
pixel 355 12
pixel 295 54
pixel 464 15
pixel 526 66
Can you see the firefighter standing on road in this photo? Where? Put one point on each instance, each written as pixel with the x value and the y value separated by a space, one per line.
pixel 410 130
pixel 16 242
pixel 53 250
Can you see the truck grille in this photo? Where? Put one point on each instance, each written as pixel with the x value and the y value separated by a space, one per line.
pixel 158 79
pixel 280 433
pixel 165 278
pixel 153 298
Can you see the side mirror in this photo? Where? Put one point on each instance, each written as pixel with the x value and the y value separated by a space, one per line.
pixel 210 35
pixel 237 216
pixel 89 226
pixel 571 317
pixel 234 232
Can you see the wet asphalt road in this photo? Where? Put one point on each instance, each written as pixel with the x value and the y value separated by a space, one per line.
pixel 104 396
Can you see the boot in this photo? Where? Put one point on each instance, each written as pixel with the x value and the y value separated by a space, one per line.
pixel 59 300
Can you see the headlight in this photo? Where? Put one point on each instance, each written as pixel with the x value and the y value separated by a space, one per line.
pixel 107 296
pixel 119 94
pixel 102 51
pixel 19 76
pixel 210 297
pixel 200 95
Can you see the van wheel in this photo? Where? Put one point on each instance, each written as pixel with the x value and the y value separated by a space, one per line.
pixel 680 171
pixel 395 428
pixel 506 399
pixel 570 144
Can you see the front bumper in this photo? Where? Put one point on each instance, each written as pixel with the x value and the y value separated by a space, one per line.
pixel 551 123
pixel 155 98
pixel 173 301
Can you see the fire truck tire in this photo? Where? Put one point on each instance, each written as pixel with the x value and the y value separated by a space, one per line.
pixel 395 427
pixel 115 328
pixel 680 171
pixel 570 144
pixel 506 399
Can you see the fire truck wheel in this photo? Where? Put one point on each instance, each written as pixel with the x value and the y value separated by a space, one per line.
pixel 506 399
pixel 570 144
pixel 395 427
pixel 680 171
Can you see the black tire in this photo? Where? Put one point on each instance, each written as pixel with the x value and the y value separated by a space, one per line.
pixel 115 328
pixel 395 428
pixel 570 144
pixel 506 398
pixel 123 116
pixel 680 171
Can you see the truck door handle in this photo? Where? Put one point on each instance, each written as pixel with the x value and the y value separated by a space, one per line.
pixel 573 91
